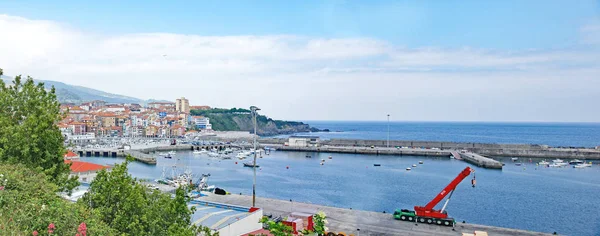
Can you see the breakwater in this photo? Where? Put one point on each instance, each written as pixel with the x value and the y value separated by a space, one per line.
pixel 486 149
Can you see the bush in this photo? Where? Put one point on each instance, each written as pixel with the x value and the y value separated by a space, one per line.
pixel 29 202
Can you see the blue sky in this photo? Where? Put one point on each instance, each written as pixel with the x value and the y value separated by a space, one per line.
pixel 509 24
pixel 322 60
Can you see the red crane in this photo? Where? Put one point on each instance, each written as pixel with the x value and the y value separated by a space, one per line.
pixel 426 214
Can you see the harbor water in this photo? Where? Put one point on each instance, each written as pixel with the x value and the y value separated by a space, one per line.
pixel 553 134
pixel 563 200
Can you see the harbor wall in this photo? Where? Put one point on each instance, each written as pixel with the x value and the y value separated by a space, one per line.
pixel 487 149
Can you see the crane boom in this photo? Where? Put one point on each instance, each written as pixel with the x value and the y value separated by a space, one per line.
pixel 428 210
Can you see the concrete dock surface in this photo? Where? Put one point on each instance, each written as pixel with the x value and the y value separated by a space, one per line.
pixel 369 223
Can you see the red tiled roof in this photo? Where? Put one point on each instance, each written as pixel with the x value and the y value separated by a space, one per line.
pixel 81 166
pixel 70 154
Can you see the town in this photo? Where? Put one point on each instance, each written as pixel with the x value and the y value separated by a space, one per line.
pixel 87 121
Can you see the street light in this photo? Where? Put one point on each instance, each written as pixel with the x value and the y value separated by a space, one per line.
pixel 388 126
pixel 254 113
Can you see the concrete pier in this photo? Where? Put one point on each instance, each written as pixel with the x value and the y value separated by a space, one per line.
pixel 481 161
pixel 137 155
pixel 369 223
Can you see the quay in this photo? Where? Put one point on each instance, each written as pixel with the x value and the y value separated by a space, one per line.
pixel 137 155
pixel 349 221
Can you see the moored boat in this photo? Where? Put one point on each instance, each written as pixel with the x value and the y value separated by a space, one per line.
pixel 576 162
pixel 544 162
pixel 249 164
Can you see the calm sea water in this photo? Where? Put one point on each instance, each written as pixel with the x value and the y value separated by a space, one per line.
pixel 564 200
pixel 553 134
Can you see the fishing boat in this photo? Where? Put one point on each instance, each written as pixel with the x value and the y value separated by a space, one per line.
pixel 544 163
pixel 203 184
pixel 576 162
pixel 249 164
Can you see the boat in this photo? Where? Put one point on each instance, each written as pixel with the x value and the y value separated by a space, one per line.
pixel 171 152
pixel 544 163
pixel 514 159
pixel 249 164
pixel 168 156
pixel 213 154
pixel 583 165
pixel 308 156
pixel 576 162
pixel 241 156
pixel 203 184
pixel 330 157
pixel 376 164
pixel 414 165
pixel 196 152
pixel 408 168
pixel 161 153
pixel 518 164
pixel 558 164
pixel 420 162
pixel 557 161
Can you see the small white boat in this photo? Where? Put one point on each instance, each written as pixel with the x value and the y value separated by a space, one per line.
pixel 196 152
pixel 241 156
pixel 558 164
pixel 420 162
pixel 583 165
pixel 330 157
pixel 414 165
pixel 544 163
pixel 514 159
pixel 172 152
pixel 557 161
pixel 408 168
pixel 213 154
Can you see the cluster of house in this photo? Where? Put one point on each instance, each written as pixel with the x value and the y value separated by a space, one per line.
pixel 157 119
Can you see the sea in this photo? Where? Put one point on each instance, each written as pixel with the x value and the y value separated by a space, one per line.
pixel 529 197
pixel 553 134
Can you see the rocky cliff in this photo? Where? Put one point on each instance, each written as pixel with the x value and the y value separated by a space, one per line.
pixel 241 120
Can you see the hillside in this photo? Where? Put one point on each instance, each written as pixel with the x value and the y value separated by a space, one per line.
pixel 67 93
pixel 241 120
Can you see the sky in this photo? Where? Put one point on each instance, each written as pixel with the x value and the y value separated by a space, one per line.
pixel 454 60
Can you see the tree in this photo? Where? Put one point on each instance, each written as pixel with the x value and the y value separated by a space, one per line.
pixel 28 203
pixel 277 228
pixel 28 130
pixel 132 209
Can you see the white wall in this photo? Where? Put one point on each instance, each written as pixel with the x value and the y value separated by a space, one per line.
pixel 246 225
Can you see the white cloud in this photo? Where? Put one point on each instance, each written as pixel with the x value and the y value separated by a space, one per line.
pixel 298 77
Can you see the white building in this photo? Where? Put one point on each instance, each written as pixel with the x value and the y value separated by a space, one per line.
pixel 201 122
pixel 303 141
pixel 83 138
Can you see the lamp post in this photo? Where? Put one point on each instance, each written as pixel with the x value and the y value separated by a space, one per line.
pixel 388 133
pixel 254 111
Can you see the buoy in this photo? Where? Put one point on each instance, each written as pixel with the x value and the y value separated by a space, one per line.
pixel 287 167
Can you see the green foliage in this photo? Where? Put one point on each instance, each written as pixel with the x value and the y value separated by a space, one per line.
pixel 225 119
pixel 29 203
pixel 28 130
pixel 132 209
pixel 277 229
